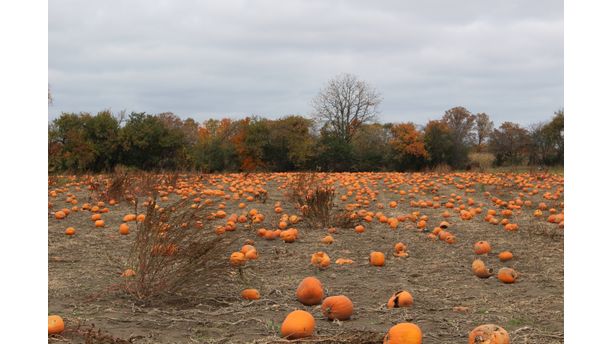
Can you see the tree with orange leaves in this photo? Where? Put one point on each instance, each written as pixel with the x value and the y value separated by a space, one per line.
pixel 408 145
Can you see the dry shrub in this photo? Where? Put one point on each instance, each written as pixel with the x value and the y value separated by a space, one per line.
pixel 90 335
pixel 169 251
pixel 117 185
pixel 481 160
pixel 315 200
pixel 343 219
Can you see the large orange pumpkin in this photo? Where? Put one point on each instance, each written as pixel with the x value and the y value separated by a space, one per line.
pixel 377 258
pixel 404 333
pixel 310 291
pixel 56 324
pixel 298 324
pixel 337 307
pixel 489 334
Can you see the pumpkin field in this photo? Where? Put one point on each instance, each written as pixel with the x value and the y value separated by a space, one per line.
pixel 136 257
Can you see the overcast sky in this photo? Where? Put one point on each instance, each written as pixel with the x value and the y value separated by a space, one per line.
pixel 204 59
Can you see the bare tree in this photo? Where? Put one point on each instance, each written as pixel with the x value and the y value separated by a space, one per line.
pixel 49 98
pixel 484 128
pixel 345 104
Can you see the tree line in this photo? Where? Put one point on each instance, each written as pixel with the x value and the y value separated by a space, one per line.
pixel 342 135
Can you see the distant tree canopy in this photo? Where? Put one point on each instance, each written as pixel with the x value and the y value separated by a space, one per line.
pixel 80 142
pixel 341 135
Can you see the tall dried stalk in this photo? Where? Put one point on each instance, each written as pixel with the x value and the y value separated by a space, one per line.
pixel 316 201
pixel 169 251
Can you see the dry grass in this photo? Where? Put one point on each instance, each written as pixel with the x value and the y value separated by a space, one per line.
pixel 482 161
pixel 173 245
pixel 315 200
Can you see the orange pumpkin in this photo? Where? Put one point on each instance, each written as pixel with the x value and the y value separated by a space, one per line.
pixel 320 260
pixel 250 294
pixel 56 324
pixel 507 275
pixel 328 239
pixel 237 259
pixel 489 334
pixel 70 231
pixel 344 261
pixel 298 324
pixel 404 333
pixel 400 299
pixel 310 291
pixel 482 247
pixel 359 229
pixel 99 223
pixel 124 229
pixel 377 258
pixel 505 256
pixel 337 307
pixel 128 273
pixel 480 270
pixel 60 215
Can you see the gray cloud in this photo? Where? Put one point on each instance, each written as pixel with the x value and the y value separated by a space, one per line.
pixel 205 59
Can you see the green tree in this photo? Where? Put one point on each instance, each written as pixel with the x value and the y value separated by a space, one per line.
pixel 439 143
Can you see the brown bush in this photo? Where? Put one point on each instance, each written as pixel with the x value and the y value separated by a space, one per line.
pixel 169 252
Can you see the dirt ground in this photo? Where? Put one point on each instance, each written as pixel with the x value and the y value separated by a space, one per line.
pixel 83 270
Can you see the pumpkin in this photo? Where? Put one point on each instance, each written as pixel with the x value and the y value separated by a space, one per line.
pixel 505 256
pixel 404 333
pixel 377 258
pixel 246 248
pixel 124 229
pixel 250 294
pixel 320 259
pixel 310 291
pixel 70 231
pixel 297 324
pixel 480 270
pixel 56 324
pixel 337 307
pixel 60 215
pixel 237 259
pixel 482 247
pixel 328 239
pixel 400 299
pixel 344 261
pixel 400 247
pixel 359 229
pixel 251 254
pixel 99 223
pixel 128 273
pixel 507 275
pixel 488 334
